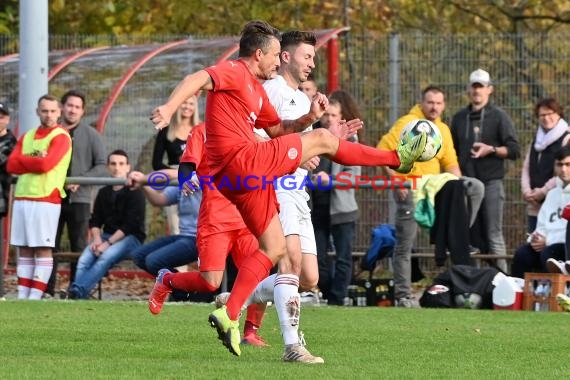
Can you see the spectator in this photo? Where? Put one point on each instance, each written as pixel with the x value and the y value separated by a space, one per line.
pixel 335 213
pixel 431 108
pixel 117 228
pixel 172 141
pixel 87 160
pixel 41 158
pixel 349 110
pixel 538 168
pixel 174 250
pixel 7 143
pixel 484 136
pixel 547 241
pixel 309 87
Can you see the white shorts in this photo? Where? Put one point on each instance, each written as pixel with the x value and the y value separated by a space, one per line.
pixel 34 224
pixel 295 217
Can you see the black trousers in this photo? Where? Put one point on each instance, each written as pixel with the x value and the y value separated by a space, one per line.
pixel 76 217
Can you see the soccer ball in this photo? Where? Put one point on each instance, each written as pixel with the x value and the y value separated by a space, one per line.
pixel 468 301
pixel 417 126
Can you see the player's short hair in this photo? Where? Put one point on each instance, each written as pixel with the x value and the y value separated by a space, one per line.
pixel 49 97
pixel 118 152
pixel 294 38
pixel 432 88
pixel 256 35
pixel 73 93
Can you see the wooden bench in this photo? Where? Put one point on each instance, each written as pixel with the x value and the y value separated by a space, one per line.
pixel 428 260
pixel 71 258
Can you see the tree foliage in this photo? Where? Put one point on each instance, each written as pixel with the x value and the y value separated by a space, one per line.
pixel 226 17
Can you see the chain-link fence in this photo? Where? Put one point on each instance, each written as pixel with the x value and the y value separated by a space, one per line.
pixel 523 67
pixel 385 74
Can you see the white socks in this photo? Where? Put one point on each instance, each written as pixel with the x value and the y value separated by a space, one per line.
pixel 288 305
pixel 42 272
pixel 25 272
pixel 33 276
pixel 263 293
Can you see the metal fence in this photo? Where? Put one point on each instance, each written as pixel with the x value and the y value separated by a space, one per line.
pixel 384 73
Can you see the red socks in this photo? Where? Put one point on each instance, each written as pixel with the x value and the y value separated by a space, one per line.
pixel 254 317
pixel 254 269
pixel 353 154
pixel 188 282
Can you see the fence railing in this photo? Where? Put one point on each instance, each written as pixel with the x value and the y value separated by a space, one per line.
pixel 384 73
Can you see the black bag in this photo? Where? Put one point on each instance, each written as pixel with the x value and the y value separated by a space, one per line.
pixel 469 287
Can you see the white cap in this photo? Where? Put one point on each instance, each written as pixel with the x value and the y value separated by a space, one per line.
pixel 480 76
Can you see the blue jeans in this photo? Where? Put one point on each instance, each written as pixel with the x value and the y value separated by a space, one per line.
pixel 91 269
pixel 166 252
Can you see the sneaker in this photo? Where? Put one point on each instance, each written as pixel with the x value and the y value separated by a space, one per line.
pixel 405 302
pixel 310 298
pixel 473 250
pixel 228 330
pixel 159 293
pixel 555 266
pixel 221 299
pixel 254 339
pixel 408 153
pixel 563 301
pixel 298 353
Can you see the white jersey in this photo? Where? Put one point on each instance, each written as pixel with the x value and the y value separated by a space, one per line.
pixel 290 104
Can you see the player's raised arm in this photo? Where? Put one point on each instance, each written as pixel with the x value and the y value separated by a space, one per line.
pixel 189 86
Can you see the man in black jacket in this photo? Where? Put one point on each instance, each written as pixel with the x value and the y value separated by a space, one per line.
pixel 7 144
pixel 117 228
pixel 484 136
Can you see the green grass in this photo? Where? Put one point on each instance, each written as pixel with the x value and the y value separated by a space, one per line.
pixel 121 340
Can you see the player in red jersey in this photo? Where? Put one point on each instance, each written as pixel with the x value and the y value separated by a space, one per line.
pixel 220 230
pixel 236 103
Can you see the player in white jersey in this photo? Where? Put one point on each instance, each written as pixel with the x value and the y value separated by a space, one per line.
pixel 298 269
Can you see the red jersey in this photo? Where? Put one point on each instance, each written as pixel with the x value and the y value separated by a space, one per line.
pixel 237 104
pixel 217 213
pixel 18 163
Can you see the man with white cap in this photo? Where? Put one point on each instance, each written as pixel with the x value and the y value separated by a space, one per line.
pixel 484 136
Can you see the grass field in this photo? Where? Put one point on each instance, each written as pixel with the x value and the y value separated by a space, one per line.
pixel 121 340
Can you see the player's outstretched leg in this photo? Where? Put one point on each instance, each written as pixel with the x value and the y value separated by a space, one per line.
pixel 410 151
pixel 159 293
pixel 228 330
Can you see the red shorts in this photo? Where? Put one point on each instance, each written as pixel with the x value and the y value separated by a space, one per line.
pixel 214 248
pixel 247 180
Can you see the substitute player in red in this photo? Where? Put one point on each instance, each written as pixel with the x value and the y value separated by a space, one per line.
pixel 236 103
pixel 220 230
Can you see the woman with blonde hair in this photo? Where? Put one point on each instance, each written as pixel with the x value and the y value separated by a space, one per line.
pixel 172 141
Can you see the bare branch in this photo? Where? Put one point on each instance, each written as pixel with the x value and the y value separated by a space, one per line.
pixel 467 10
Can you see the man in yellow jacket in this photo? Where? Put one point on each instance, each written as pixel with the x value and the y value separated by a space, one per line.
pixel 431 108
pixel 40 159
